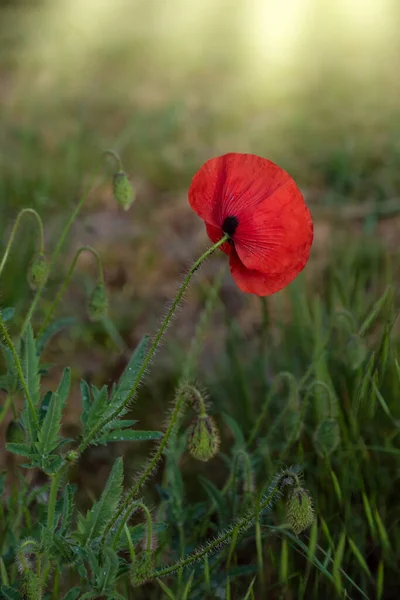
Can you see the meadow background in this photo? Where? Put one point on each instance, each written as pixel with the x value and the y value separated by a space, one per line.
pixel 312 85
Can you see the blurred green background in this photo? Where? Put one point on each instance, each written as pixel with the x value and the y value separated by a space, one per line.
pixel 311 84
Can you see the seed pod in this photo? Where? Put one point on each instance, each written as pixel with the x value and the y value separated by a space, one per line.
pixel 15 433
pixel 98 303
pixel 203 438
pixel 38 271
pixel 327 437
pixel 123 190
pixel 299 510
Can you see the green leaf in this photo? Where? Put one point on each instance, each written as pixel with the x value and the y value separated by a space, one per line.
pixel 9 593
pixel 51 330
pixel 97 408
pixel 167 591
pixel 48 435
pixel 86 402
pixel 96 519
pixel 64 387
pixel 130 435
pixel 21 450
pixel 68 508
pixel 72 594
pixel 32 366
pixel 130 373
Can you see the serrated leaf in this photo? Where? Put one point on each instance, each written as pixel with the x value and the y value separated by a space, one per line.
pixel 48 435
pixel 9 593
pixel 86 401
pixel 62 547
pixel 93 524
pixel 130 373
pixel 72 594
pixel 68 509
pixel 32 366
pixel 97 408
pixel 130 435
pixel 122 423
pixel 51 330
pixel 108 571
pixel 138 533
pixel 21 450
pixel 44 405
pixel 64 387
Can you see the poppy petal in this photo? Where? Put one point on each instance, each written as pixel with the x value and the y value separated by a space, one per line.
pixel 229 185
pixel 277 234
pixel 260 284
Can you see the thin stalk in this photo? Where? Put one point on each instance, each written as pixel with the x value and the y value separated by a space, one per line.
pixel 103 423
pixel 18 366
pixel 233 531
pixel 58 248
pixel 21 214
pixel 151 465
pixel 67 279
pixel 122 526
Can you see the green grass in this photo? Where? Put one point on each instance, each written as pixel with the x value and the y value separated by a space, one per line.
pixel 326 352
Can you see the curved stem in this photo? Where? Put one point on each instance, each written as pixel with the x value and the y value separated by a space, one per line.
pixel 67 279
pixel 103 423
pixel 137 505
pixel 58 248
pixel 21 214
pixel 20 372
pixel 115 157
pixel 234 530
pixel 200 400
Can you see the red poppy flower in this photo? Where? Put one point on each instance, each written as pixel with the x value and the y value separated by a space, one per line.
pixel 261 208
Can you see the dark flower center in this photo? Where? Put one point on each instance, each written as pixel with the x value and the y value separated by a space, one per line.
pixel 229 225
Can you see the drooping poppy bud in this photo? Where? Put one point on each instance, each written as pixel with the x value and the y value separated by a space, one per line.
pixel 38 271
pixel 203 438
pixel 15 433
pixel 123 190
pixel 327 436
pixel 299 510
pixel 98 303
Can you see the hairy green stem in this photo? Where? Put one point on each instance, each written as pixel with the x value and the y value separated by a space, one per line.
pixel 55 482
pixel 104 422
pixel 125 506
pixel 234 530
pixel 18 366
pixel 58 249
pixel 122 526
pixel 21 214
pixel 67 279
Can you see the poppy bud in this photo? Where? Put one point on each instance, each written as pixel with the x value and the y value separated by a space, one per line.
pixel 327 437
pixel 141 568
pixel 98 303
pixel 203 438
pixel 123 190
pixel 15 433
pixel 299 510
pixel 38 271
